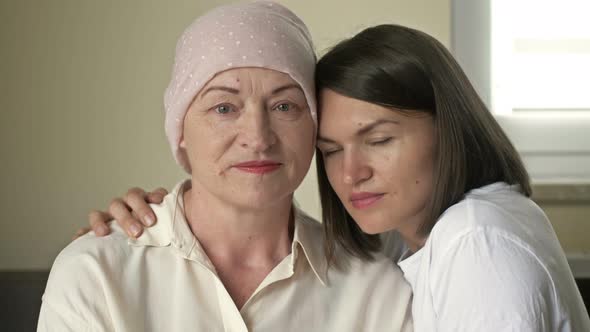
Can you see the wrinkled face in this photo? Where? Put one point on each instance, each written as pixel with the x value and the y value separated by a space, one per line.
pixel 379 161
pixel 249 137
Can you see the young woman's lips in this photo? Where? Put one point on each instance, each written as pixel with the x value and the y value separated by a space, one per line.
pixel 258 166
pixel 364 200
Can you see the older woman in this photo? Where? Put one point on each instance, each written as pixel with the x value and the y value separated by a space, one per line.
pixel 229 251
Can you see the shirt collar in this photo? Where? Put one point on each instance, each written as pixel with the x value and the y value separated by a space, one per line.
pixel 172 230
pixel 309 235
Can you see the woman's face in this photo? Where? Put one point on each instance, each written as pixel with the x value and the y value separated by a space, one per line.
pixel 379 161
pixel 249 137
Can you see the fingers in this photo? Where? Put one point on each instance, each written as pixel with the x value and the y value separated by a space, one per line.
pixel 130 212
pixel 81 232
pixel 135 199
pixel 98 222
pixel 157 195
pixel 120 211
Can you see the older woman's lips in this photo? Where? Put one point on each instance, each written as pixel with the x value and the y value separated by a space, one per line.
pixel 258 166
pixel 364 199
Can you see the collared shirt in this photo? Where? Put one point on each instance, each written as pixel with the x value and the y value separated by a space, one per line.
pixel 164 281
pixel 493 263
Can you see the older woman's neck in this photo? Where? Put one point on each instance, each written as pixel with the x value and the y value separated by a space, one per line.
pixel 254 237
pixel 244 245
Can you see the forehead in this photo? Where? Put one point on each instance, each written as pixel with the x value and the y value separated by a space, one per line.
pixel 337 107
pixel 250 75
pixel 342 116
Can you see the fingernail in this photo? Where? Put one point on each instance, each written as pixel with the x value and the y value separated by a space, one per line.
pixel 103 229
pixel 149 220
pixel 135 229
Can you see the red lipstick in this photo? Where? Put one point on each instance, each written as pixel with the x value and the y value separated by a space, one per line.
pixel 363 200
pixel 258 166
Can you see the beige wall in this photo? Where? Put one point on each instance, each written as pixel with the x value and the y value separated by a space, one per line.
pixel 81 86
pixel 571 222
pixel 81 103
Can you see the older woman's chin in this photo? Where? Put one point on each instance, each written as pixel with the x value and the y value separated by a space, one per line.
pixel 253 192
pixel 261 199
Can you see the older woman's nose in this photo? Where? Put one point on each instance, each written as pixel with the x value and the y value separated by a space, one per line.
pixel 257 133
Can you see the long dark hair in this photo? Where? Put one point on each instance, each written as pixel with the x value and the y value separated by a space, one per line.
pixel 402 68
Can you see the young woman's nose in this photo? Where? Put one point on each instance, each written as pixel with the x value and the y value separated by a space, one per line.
pixel 355 168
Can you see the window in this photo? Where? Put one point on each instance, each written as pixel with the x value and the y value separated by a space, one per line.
pixel 530 62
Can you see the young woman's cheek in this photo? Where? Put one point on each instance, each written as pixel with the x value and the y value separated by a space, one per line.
pixel 386 155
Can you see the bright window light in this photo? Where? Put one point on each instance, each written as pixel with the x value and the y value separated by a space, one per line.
pixel 540 57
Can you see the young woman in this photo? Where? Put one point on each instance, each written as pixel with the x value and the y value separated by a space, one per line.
pixel 230 252
pixel 405 144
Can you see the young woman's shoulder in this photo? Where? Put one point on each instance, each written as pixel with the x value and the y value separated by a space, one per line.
pixel 499 210
pixel 495 252
pixel 496 275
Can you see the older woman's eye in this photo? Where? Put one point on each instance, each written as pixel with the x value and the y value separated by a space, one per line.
pixel 223 109
pixel 284 107
pixel 287 111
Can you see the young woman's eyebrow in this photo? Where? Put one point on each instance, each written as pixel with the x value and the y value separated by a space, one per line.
pixel 365 129
pixel 325 140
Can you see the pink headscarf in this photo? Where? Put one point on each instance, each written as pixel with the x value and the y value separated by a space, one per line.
pixel 255 34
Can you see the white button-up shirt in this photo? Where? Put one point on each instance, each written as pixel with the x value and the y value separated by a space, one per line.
pixel 164 281
pixel 493 263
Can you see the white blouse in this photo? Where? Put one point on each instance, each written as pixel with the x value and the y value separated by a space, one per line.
pixel 493 263
pixel 164 281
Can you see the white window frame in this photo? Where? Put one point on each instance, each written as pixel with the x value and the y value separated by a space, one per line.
pixel 555 146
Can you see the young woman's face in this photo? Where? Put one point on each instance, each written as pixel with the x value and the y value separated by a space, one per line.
pixel 379 161
pixel 249 137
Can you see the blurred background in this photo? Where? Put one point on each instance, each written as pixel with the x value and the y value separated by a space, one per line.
pixel 81 111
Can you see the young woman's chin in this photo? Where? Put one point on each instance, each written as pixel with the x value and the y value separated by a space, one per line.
pixel 373 225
